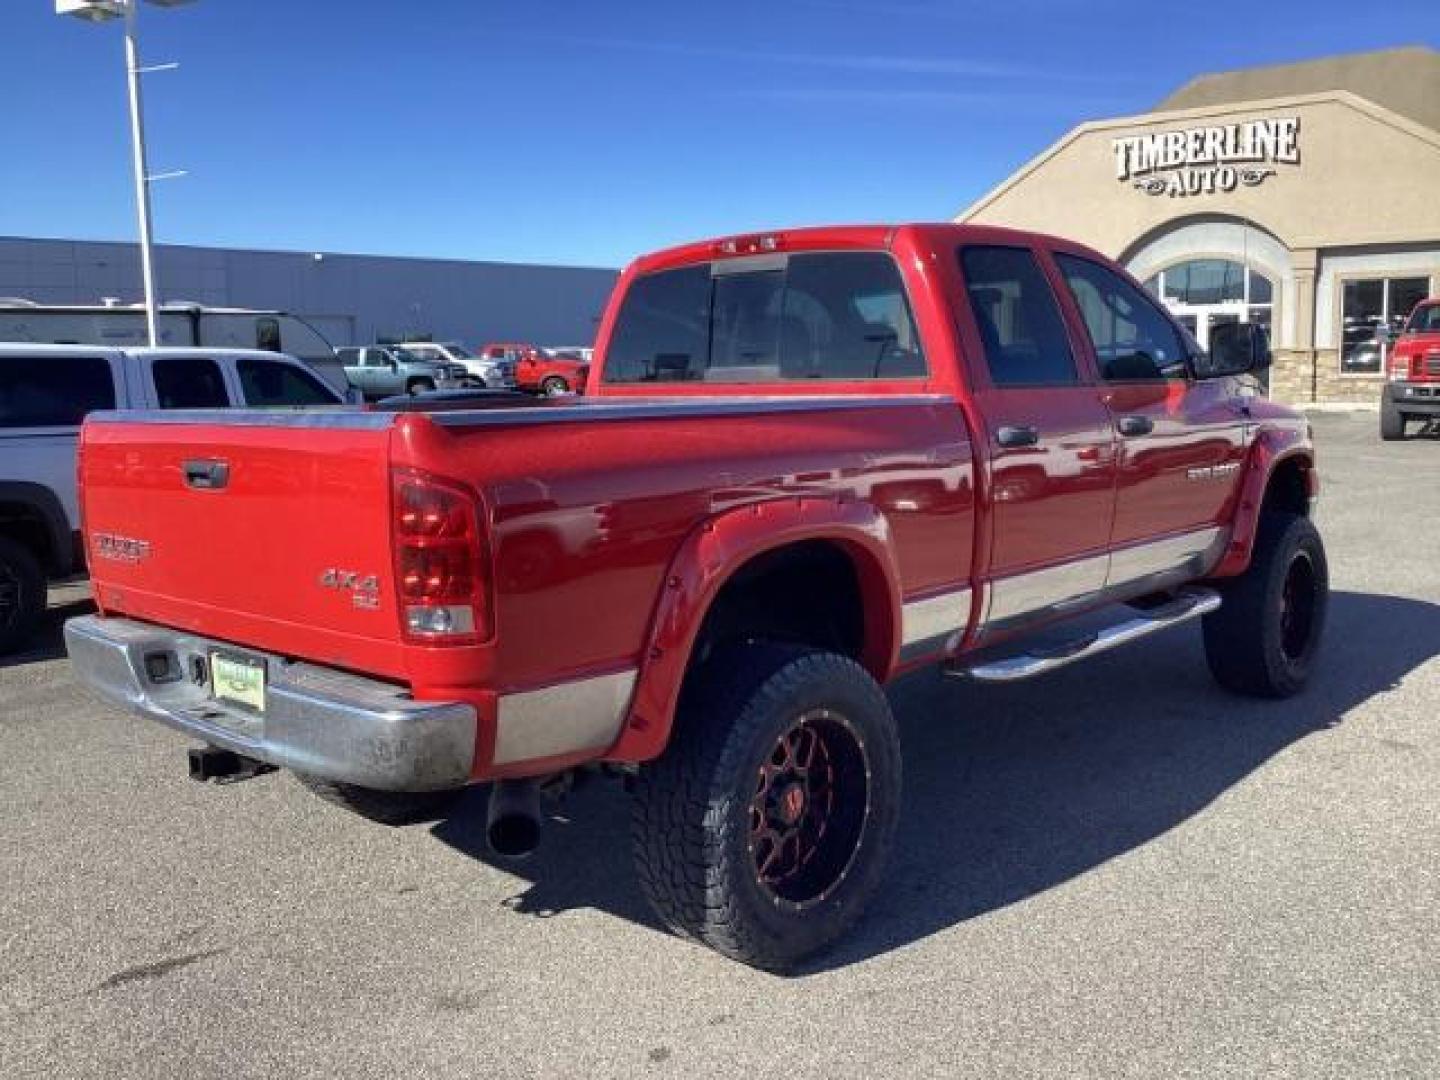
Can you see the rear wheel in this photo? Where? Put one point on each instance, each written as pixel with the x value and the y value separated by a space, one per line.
pixel 1392 422
pixel 554 385
pixel 1263 638
pixel 22 594
pixel 384 807
pixel 766 825
pixel 419 386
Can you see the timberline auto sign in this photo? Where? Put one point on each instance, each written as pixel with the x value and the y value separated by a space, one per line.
pixel 1206 160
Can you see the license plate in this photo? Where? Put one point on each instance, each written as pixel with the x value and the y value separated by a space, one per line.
pixel 238 680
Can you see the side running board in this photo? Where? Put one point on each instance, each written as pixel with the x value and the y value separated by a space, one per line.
pixel 1187 604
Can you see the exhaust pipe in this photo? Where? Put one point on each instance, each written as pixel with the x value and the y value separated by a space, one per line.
pixel 512 825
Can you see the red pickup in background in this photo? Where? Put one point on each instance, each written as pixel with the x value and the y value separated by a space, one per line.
pixel 809 461
pixel 538 371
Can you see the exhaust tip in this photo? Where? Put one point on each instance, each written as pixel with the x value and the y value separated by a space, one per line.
pixel 514 837
pixel 512 825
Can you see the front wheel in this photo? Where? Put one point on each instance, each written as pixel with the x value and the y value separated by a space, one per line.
pixel 1263 638
pixel 767 823
pixel 419 386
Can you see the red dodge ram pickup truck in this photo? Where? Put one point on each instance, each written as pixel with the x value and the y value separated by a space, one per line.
pixel 809 461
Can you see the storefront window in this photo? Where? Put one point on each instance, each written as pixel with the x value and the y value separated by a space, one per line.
pixel 1366 306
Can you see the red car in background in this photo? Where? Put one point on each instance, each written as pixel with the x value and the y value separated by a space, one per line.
pixel 539 371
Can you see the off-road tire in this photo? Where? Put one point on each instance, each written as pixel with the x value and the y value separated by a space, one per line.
pixel 554 385
pixel 384 807
pixel 22 594
pixel 419 386
pixel 1252 645
pixel 692 816
pixel 1392 422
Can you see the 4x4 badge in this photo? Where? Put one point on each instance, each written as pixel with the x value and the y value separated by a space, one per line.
pixel 364 589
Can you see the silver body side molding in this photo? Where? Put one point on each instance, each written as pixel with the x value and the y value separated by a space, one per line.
pixel 927 625
pixel 569 717
pixel 1149 566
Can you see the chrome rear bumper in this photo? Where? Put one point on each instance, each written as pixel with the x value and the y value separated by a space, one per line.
pixel 316 720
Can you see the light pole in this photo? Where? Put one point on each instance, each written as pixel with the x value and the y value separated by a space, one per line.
pixel 103 11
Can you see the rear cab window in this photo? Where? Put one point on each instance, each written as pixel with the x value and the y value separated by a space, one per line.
pixel 782 318
pixel 53 391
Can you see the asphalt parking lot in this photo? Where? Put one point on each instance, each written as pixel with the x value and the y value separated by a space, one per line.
pixel 1114 871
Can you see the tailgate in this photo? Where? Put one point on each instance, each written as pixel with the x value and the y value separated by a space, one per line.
pixel 273 532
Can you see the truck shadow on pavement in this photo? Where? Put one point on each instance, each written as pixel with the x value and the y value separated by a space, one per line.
pixel 1010 791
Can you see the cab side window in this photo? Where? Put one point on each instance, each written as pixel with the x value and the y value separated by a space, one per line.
pixel 1019 320
pixel 189 382
pixel 269 385
pixel 1133 340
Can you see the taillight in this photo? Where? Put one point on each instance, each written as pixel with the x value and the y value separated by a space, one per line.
pixel 440 564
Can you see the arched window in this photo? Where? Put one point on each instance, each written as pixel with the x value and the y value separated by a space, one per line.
pixel 1201 282
pixel 1202 292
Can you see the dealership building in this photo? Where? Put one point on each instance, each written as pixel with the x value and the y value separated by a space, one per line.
pixel 1305 197
pixel 351 299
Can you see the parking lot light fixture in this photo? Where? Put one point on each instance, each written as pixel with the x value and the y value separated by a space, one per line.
pixel 104 11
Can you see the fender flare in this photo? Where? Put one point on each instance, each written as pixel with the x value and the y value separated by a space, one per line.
pixel 1273 448
pixel 711 555
pixel 46 505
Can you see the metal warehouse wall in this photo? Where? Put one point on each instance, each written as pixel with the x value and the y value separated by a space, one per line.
pixel 352 299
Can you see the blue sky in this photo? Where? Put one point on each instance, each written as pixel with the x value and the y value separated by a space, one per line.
pixel 584 133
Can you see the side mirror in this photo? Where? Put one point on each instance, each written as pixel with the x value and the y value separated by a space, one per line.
pixel 1235 349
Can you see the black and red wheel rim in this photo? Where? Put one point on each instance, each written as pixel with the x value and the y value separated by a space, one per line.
pixel 1299 597
pixel 808 812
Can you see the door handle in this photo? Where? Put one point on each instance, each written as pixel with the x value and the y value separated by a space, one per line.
pixel 1135 425
pixel 206 474
pixel 1011 436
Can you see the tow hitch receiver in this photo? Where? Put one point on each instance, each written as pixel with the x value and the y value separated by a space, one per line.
pixel 224 766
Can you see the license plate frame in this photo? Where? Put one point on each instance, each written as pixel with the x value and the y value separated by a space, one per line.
pixel 238 680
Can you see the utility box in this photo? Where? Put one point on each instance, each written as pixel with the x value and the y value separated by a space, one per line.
pixel 95 10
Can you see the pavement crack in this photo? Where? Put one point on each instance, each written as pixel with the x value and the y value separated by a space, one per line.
pixel 156 969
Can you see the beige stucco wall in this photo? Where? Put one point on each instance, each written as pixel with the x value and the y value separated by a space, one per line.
pixel 1367 180
pixel 1365 176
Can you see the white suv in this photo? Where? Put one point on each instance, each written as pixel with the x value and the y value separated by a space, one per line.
pixel 493 374
pixel 45 393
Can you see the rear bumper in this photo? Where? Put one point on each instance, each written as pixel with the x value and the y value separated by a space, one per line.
pixel 317 720
pixel 1414 398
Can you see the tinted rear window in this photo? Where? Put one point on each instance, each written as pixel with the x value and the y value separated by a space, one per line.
pixel 827 315
pixel 53 391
